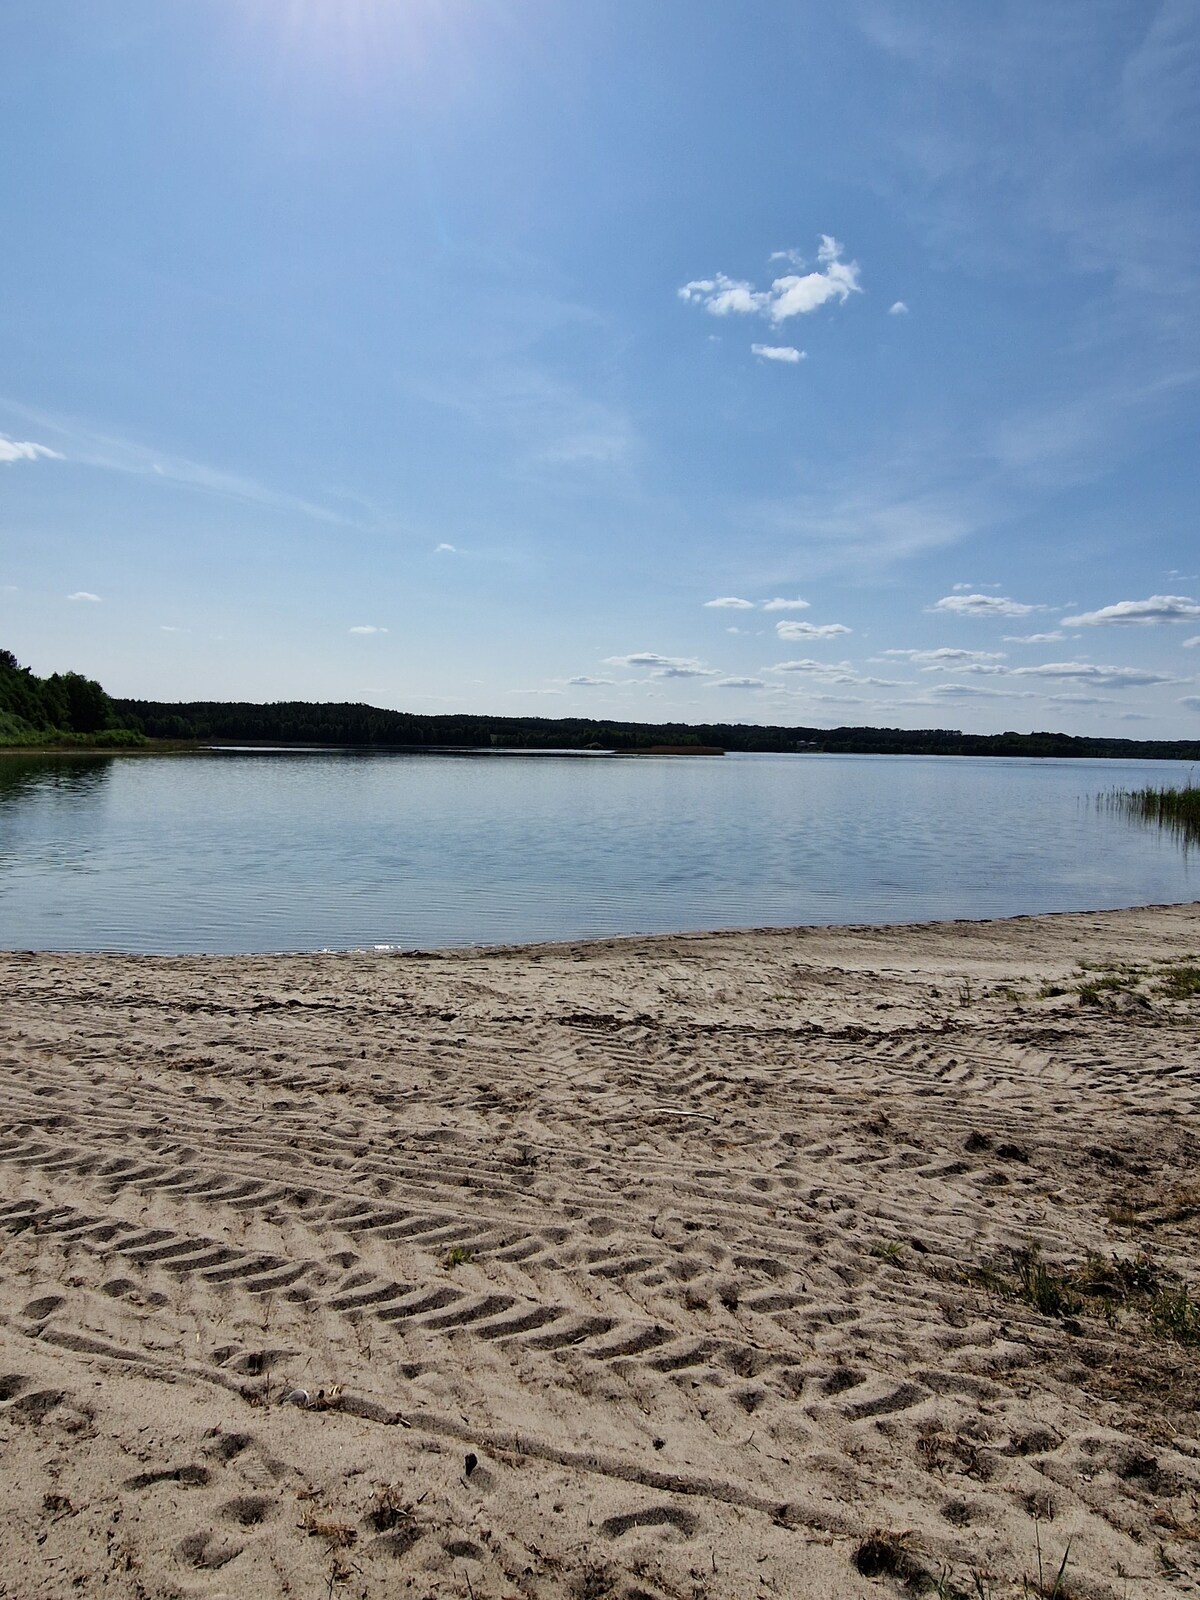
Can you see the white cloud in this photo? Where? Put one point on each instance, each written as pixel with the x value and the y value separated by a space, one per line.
pixel 1190 644
pixel 982 605
pixel 84 594
pixel 26 450
pixel 730 602
pixel 791 296
pixel 819 669
pixel 721 295
pixel 588 683
pixel 737 683
pixel 810 630
pixel 1035 638
pixel 946 659
pixel 1081 699
pixel 645 658
pixel 662 666
pixel 897 309
pixel 1191 701
pixel 445 549
pixel 1158 608
pixel 779 352
pixel 367 627
pixel 785 605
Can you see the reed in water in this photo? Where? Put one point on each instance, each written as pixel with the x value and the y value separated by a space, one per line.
pixel 1175 809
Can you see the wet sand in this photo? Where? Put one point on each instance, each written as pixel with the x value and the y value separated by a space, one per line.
pixel 671 1267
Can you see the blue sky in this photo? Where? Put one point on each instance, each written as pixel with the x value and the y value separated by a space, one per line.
pixel 775 362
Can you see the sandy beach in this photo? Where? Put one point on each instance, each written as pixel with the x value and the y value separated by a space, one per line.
pixel 829 1263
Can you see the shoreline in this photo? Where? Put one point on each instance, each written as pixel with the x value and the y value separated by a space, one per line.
pixel 654 1265
pixel 616 941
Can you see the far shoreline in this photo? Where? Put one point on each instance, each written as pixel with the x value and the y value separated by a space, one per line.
pixel 185 747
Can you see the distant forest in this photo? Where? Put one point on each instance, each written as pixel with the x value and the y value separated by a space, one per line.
pixel 69 709
pixel 298 722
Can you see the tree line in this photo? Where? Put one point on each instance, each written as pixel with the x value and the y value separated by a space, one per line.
pixel 302 722
pixel 68 708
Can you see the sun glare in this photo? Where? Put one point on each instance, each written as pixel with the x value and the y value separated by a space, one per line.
pixel 362 40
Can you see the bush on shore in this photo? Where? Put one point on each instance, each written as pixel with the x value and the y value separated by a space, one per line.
pixel 63 709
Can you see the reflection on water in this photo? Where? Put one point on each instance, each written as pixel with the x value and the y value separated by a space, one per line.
pixel 253 851
pixel 66 784
pixel 77 776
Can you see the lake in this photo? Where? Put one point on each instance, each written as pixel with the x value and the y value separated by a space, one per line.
pixel 236 851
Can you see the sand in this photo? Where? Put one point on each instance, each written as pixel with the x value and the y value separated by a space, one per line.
pixel 683 1266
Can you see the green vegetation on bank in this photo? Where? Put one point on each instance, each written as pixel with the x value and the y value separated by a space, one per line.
pixel 64 709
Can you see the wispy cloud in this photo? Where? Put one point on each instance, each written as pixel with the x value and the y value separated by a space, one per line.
pixel 794 295
pixel 1052 175
pixel 445 549
pixel 91 448
pixel 1158 608
pixel 881 512
pixel 1191 701
pixel 584 682
pixel 982 605
pixel 1190 644
pixel 367 627
pixel 85 594
pixel 548 423
pixel 730 602
pixel 737 683
pixel 780 352
pixel 1034 638
pixel 810 630
pixel 779 604
pixel 26 450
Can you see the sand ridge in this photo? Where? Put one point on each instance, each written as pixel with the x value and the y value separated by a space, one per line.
pixel 683 1266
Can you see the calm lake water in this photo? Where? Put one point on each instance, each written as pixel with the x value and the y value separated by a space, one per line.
pixel 233 852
